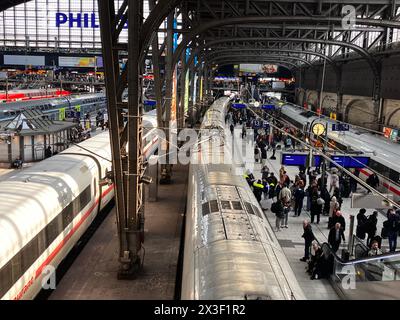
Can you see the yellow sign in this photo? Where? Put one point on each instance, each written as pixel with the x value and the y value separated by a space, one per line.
pixel 333 116
pixel 61 114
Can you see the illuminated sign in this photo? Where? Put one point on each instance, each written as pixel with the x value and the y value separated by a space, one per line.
pixel 350 162
pixel 82 62
pixel 294 159
pixel 78 19
pixel 238 105
pixel 268 107
pixel 299 159
pixel 340 127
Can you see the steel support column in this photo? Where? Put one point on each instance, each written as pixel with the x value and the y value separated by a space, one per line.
pixel 127 168
pixel 166 168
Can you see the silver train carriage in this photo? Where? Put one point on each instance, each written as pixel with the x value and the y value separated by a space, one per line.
pixel 46 209
pixel 57 108
pixel 231 251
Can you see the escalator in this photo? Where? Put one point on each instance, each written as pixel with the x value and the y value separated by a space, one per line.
pixel 364 277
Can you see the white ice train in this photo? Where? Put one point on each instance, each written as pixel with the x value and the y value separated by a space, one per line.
pixel 384 154
pixel 231 251
pixel 45 209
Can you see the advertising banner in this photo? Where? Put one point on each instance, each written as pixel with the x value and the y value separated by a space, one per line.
pixel 23 60
pixel 77 62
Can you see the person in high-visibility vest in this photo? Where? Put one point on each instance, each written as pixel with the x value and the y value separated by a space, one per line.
pixel 258 188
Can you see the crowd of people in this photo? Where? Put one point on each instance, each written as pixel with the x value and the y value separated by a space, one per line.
pixel 308 192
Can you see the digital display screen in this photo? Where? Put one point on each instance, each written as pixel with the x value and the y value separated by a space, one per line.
pixel 238 105
pixel 268 107
pixel 350 162
pixel 316 161
pixel 80 62
pixel 24 60
pixel 294 159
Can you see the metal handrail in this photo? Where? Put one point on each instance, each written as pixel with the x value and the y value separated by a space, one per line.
pixel 359 260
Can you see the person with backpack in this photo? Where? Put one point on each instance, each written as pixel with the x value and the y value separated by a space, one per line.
pixel 361 224
pixel 277 208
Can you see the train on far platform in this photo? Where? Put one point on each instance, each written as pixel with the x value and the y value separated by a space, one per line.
pixel 74 106
pixel 384 154
pixel 32 94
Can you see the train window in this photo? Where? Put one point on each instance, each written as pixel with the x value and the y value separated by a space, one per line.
pixel 214 206
pixel 205 209
pixel 29 254
pixel 52 231
pixel 249 208
pixel 236 205
pixel 225 205
pixel 376 166
pixel 394 175
pixel 16 267
pixel 84 197
pixel 95 187
pixel 6 280
pixel 67 215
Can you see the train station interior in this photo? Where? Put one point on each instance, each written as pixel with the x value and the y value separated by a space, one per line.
pixel 199 150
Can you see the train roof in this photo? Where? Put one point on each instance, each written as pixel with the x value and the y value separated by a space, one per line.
pixel 37 194
pixel 11 106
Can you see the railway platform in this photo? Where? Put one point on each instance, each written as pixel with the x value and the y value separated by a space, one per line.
pixel 93 274
pixel 290 238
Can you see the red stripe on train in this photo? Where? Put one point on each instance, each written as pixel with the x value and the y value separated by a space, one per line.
pixel 54 253
pixel 387 186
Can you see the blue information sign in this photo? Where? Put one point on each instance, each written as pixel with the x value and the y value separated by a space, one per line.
pixel 340 127
pixel 294 159
pixel 350 162
pixel 238 105
pixel 268 107
pixel 316 160
pixel 149 103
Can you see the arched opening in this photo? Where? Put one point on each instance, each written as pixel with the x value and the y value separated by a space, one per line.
pixel 312 100
pixel 394 118
pixel 361 113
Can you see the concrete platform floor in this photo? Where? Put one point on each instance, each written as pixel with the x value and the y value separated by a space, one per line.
pixel 93 275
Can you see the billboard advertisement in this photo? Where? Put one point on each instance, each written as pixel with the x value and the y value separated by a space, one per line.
pixel 258 68
pixel 77 62
pixel 23 60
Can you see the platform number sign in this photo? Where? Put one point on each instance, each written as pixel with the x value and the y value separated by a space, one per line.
pixel 340 127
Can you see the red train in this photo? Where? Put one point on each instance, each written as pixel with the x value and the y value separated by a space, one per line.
pixel 32 94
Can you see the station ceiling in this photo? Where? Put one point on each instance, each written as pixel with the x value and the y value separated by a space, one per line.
pixel 5 4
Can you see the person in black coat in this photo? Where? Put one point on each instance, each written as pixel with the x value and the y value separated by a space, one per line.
pixel 370 227
pixel 335 237
pixel 361 224
pixel 308 236
pixel 298 197
pixel 338 218
pixel 373 181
